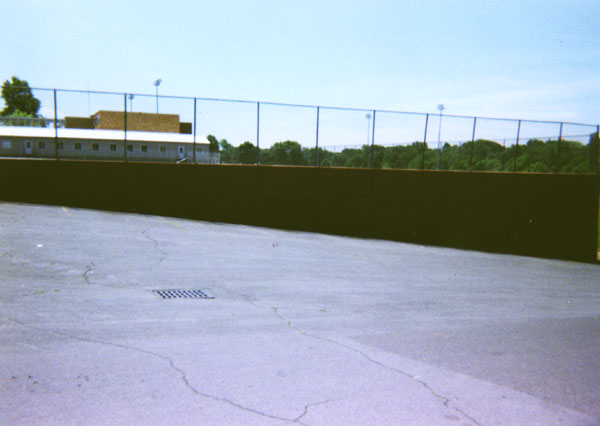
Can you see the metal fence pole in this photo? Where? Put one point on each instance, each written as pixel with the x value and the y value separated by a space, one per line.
pixel 558 149
pixel 424 142
pixel 55 127
pixel 194 145
pixel 598 139
pixel 472 144
pixel 528 157
pixel 257 133
pixel 317 140
pixel 517 147
pixel 439 150
pixel 594 150
pixel 373 139
pixel 125 124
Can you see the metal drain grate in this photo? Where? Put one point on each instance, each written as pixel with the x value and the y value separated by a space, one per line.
pixel 182 294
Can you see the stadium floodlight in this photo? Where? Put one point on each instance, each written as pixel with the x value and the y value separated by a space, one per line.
pixel 441 108
pixel 157 83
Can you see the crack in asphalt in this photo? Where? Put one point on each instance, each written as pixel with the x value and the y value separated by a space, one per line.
pixel 89 269
pixel 155 242
pixel 308 406
pixel 445 400
pixel 174 367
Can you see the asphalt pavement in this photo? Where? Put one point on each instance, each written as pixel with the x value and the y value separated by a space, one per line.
pixel 299 328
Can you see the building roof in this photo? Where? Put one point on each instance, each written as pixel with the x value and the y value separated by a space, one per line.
pixel 96 134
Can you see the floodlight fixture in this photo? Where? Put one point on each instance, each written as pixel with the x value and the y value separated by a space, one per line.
pixel 157 83
pixel 131 96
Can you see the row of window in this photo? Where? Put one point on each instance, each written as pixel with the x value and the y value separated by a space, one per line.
pixel 6 144
pixel 95 147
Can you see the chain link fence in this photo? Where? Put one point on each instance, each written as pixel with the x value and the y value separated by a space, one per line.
pixel 232 131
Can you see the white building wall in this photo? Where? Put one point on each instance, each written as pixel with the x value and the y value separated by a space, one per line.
pixel 87 145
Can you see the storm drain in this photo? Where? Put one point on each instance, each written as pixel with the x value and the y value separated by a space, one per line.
pixel 182 294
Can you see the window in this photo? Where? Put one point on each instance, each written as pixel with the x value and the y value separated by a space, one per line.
pixel 144 148
pixel 59 145
pixel 95 147
pixel 113 147
pixel 163 149
pixel 6 145
pixel 42 145
pixel 78 146
pixel 130 148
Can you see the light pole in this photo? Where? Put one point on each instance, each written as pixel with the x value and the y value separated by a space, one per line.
pixel 441 108
pixel 368 117
pixel 131 96
pixel 157 83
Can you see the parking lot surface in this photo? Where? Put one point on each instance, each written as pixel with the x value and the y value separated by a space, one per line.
pixel 299 328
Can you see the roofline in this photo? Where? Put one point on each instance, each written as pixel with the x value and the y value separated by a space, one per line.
pixel 97 134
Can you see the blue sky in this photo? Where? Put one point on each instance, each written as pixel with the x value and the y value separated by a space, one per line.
pixel 519 59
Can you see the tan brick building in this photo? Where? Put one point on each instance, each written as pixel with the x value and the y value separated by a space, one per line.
pixel 140 121
pixel 136 121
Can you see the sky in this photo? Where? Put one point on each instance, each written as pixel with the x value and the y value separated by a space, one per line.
pixel 524 59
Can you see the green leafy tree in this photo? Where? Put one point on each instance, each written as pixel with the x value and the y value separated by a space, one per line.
pixel 287 153
pixel 18 99
pixel 310 157
pixel 574 157
pixel 229 153
pixel 376 155
pixel 354 157
pixel 213 144
pixel 266 156
pixel 487 155
pixel 247 153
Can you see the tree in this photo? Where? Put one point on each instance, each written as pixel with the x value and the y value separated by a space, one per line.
pixel 287 152
pixel 376 156
pixel 213 144
pixel 18 99
pixel 229 153
pixel 247 153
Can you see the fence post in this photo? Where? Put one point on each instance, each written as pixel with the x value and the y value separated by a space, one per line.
pixel 257 133
pixel 594 150
pixel 194 136
pixel 472 143
pixel 424 143
pixel 317 140
pixel 558 149
pixel 55 127
pixel 125 125
pixel 528 157
pixel 373 139
pixel 517 147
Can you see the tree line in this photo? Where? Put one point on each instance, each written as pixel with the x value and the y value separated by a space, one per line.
pixel 481 155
